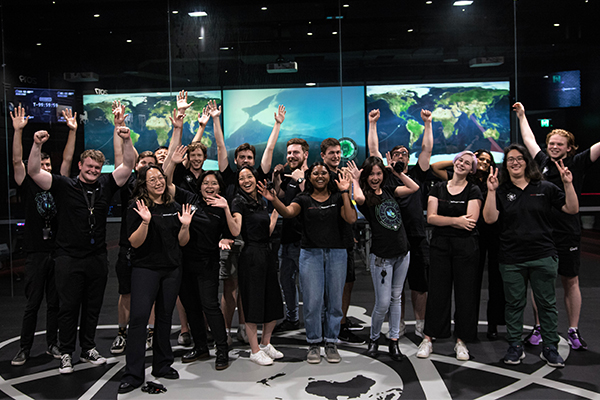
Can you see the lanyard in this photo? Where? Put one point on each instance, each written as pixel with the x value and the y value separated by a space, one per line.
pixel 90 205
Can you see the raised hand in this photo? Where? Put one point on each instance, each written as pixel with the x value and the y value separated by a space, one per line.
pixel 280 114
pixel 118 111
pixel 263 191
pixel 71 119
pixel 182 103
pixel 374 115
pixel 466 222
pixel 204 116
pixel 177 119
pixel 217 201
pixel 179 154
pixel 492 180
pixel 19 118
pixel 143 212
pixel 278 170
pixel 565 175
pixel 388 160
pixel 296 174
pixel 344 181
pixel 519 109
pixel 213 110
pixel 123 133
pixel 426 115
pixel 354 171
pixel 186 215
pixel 41 137
pixel 225 244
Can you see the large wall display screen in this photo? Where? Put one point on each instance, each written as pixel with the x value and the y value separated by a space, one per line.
pixel 313 114
pixel 44 105
pixel 468 116
pixel 148 120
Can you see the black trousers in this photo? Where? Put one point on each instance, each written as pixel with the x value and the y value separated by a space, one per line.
pixel 200 294
pixel 150 287
pixel 454 264
pixel 39 279
pixel 80 283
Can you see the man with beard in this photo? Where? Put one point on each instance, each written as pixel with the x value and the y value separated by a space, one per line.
pixel 566 228
pixel 287 186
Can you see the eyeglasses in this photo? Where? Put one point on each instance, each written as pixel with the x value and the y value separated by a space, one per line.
pixel 512 160
pixel 155 181
pixel 400 153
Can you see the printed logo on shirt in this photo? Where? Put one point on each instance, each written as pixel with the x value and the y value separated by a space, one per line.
pixel 388 215
pixel 456 202
pixel 511 196
pixel 573 248
pixel 322 207
pixel 545 171
pixel 537 195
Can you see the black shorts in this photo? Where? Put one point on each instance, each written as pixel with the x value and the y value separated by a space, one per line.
pixel 124 268
pixel 228 260
pixel 568 248
pixel 350 274
pixel 419 264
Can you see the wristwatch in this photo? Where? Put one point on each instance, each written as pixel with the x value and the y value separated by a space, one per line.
pixel 300 180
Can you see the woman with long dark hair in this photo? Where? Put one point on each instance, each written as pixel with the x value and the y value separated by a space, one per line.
pixel 323 207
pixel 157 227
pixel 257 275
pixel 522 202
pixel 389 257
pixel 453 208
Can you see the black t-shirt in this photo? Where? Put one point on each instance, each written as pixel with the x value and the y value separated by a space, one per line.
pixel 255 218
pixel 322 223
pixel 161 248
pixel 411 206
pixel 565 223
pixel 454 206
pixel 385 220
pixel 125 193
pixel 208 225
pixel 185 179
pixel 291 228
pixel 40 212
pixel 75 236
pixel 526 220
pixel 230 178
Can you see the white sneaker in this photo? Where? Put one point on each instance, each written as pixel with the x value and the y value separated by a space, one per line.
pixel 229 340
pixel 419 325
pixel 462 353
pixel 241 334
pixel 261 358
pixel 402 328
pixel 271 351
pixel 425 349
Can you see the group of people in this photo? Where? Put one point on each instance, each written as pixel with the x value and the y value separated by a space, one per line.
pixel 185 228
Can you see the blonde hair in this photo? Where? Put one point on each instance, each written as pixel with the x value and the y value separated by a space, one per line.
pixel 566 134
pixel 95 155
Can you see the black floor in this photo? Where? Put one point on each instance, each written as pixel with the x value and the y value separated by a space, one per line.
pixel 357 376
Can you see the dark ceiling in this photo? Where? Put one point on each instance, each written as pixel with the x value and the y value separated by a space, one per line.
pixel 373 42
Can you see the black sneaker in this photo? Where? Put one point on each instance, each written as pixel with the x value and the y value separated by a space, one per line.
pixel 195 355
pixel 54 351
pixel 66 365
pixel 551 356
pixel 353 326
pixel 119 344
pixel 514 354
pixel 21 357
pixel 286 325
pixel 347 337
pixel 93 357
pixel 222 361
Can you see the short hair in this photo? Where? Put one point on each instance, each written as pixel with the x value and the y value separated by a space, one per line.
pixel 397 148
pixel 95 155
pixel 44 156
pixel 532 171
pixel 299 141
pixel 327 143
pixel 245 146
pixel 217 176
pixel 145 154
pixel 566 134
pixel 467 153
pixel 161 148
pixel 195 146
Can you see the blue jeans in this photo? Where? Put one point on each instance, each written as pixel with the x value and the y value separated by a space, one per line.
pixel 322 277
pixel 288 271
pixel 388 290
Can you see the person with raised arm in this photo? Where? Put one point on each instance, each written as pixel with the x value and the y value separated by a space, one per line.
pixel 81 265
pixel 522 202
pixel 389 257
pixel 324 208
pixel 244 156
pixel 453 209
pixel 412 212
pixel 157 227
pixel 39 238
pixel 489 244
pixel 566 228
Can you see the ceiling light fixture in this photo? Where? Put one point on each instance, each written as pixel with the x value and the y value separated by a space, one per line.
pixel 201 37
pixel 410 30
pixel 264 8
pixel 311 84
pixel 38 44
pixel 129 40
pixel 175 12
pixel 198 14
pixel 461 3
pixel 224 48
pixel 96 15
pixel 346 5
pixel 309 33
pixel 429 2
pixel 334 33
pixel 556 24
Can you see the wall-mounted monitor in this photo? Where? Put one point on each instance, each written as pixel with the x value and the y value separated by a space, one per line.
pixel 470 116
pixel 44 105
pixel 313 114
pixel 148 120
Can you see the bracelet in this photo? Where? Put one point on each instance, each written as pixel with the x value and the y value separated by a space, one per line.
pixel 345 191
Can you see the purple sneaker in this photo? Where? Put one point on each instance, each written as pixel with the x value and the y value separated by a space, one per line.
pixel 575 340
pixel 535 337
